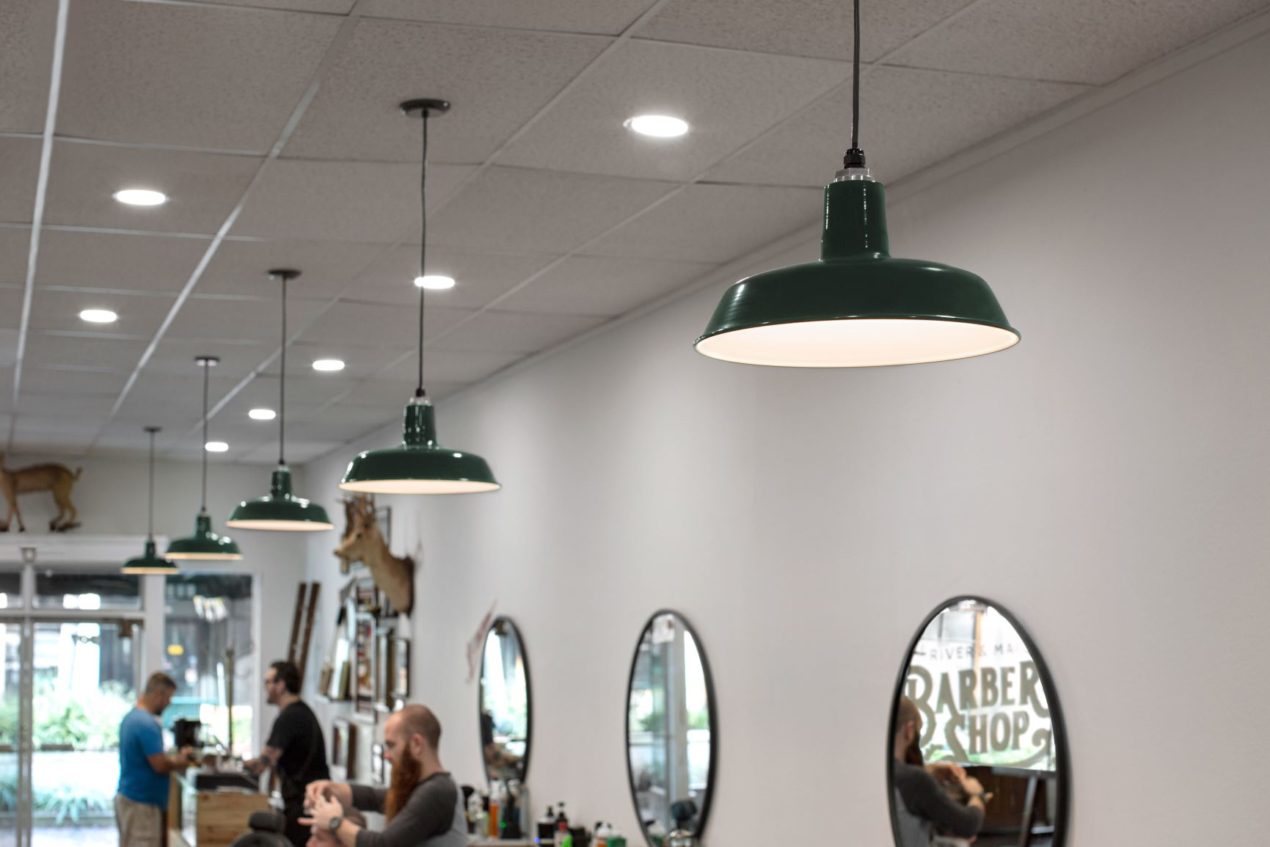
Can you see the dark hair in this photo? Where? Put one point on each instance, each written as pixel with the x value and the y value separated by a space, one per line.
pixel 289 674
pixel 159 680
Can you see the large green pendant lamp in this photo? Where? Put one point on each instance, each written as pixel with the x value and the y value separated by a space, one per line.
pixel 419 465
pixel 280 510
pixel 857 306
pixel 205 545
pixel 150 561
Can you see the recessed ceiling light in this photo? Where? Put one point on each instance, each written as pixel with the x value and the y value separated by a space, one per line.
pixel 329 365
pixel 262 414
pixel 434 282
pixel 657 126
pixel 216 447
pixel 98 316
pixel 141 197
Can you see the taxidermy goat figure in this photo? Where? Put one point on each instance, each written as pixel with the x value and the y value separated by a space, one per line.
pixel 58 480
pixel 363 542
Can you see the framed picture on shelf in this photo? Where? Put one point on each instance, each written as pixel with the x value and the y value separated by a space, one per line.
pixel 383 671
pixel 343 750
pixel 363 677
pixel 399 675
pixel 335 673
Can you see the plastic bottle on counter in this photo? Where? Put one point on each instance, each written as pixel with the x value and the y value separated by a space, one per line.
pixel 546 830
pixel 474 809
pixel 562 838
pixel 601 834
pixel 615 838
pixel 496 796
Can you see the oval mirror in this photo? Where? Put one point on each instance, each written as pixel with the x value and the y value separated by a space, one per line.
pixel 505 704
pixel 976 749
pixel 671 729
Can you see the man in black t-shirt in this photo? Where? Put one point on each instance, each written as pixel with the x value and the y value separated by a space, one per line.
pixel 295 749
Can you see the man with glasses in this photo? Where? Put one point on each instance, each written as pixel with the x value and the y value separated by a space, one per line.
pixel 295 750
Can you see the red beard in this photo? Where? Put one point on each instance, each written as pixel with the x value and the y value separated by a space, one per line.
pixel 405 776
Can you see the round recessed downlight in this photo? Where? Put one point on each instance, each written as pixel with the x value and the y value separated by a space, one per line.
pixel 262 414
pixel 657 126
pixel 216 447
pixel 98 316
pixel 434 282
pixel 141 197
pixel 328 365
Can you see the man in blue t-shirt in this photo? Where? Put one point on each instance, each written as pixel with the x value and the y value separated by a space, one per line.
pixel 144 767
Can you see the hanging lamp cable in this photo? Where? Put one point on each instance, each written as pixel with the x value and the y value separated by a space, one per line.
pixel 423 243
pixel 150 525
pixel 855 156
pixel 206 362
pixel 282 380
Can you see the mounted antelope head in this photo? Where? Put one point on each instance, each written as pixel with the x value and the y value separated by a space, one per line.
pixel 363 542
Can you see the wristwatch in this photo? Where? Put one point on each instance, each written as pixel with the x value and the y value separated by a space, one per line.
pixel 335 823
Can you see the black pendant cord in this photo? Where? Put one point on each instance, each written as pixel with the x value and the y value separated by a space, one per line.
pixel 423 244
pixel 207 367
pixel 855 156
pixel 282 382
pixel 150 525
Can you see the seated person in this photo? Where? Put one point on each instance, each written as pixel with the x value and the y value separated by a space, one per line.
pixel 423 805
pixel 924 806
pixel 499 761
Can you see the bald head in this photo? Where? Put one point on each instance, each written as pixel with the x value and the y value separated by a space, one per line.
pixel 417 719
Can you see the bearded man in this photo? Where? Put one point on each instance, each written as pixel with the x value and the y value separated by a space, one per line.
pixel 423 805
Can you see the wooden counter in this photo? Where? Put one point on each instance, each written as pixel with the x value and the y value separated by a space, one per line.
pixel 209 818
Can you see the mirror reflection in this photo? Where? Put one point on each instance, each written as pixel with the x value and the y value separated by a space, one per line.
pixel 977 749
pixel 505 707
pixel 670 730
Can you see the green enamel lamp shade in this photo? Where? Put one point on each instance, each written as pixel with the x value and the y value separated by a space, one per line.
pixel 856 306
pixel 419 465
pixel 204 545
pixel 280 510
pixel 150 562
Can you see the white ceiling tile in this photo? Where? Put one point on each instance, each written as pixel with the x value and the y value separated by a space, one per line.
pixel 388 396
pixel 375 326
pixel 139 314
pixel 176 356
pixel 20 165
pixel 117 262
pixel 202 188
pixel 1087 41
pixel 26 59
pixel 713 223
pixel 539 211
pixel 308 388
pixel 298 452
pixel 10 308
pixel 187 75
pixel 453 367
pixel 610 17
pixel 584 131
pixel 326 268
pixel 909 119
pixel 517 332
pixel 6 384
pixel 118 354
pixel 376 202
pixel 807 28
pixel 494 79
pixel 90 408
pixel 596 285
pixel 54 435
pixel 359 363
pixel 479 277
pixel 235 320
pixel 178 396
pixel 351 416
pixel 15 243
pixel 39 380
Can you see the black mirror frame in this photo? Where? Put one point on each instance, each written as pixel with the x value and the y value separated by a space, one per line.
pixel 503 620
pixel 711 709
pixel 1063 768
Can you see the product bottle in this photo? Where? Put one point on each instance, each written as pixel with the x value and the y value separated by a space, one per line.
pixel 473 812
pixel 563 838
pixel 615 838
pixel 601 834
pixel 495 807
pixel 547 827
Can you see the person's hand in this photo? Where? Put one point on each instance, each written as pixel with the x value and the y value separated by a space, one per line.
pixel 315 791
pixel 324 809
pixel 254 766
pixel 973 786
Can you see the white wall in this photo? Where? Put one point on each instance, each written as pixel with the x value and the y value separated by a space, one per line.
pixel 1106 481
pixel 111 498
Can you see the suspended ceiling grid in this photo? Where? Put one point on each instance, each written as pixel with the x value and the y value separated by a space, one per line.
pixel 273 127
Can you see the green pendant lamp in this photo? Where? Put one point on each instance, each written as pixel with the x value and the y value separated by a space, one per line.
pixel 205 545
pixel 150 561
pixel 857 306
pixel 280 510
pixel 419 465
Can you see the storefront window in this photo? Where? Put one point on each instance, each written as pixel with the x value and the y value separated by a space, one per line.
pixel 87 592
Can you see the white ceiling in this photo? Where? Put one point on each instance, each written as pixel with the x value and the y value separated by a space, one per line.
pixel 273 126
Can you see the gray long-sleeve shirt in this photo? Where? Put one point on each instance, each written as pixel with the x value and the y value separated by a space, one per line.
pixel 432 817
pixel 925 799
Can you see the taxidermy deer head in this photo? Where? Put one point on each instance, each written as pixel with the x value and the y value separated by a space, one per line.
pixel 363 542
